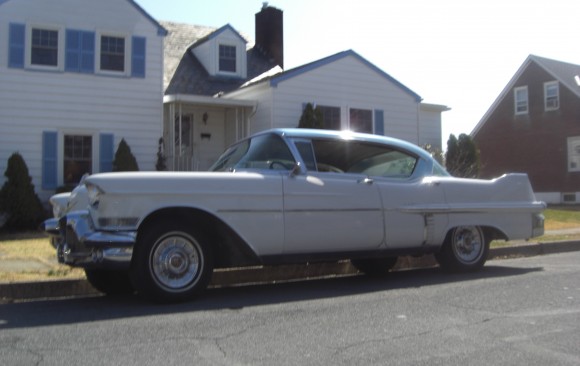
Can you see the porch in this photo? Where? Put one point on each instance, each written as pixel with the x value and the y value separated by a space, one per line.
pixel 197 129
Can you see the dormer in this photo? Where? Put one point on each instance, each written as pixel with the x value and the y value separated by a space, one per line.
pixel 222 53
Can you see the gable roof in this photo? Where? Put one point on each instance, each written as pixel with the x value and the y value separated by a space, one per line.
pixel 274 80
pixel 216 33
pixel 160 30
pixel 184 74
pixel 565 73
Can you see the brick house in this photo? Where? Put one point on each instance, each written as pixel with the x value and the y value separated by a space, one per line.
pixel 534 127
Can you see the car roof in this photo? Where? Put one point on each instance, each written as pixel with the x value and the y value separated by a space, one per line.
pixel 348 135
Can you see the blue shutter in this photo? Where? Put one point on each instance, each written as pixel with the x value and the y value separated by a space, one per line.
pixel 80 51
pixel 16 41
pixel 49 160
pixel 138 57
pixel 87 64
pixel 72 50
pixel 379 122
pixel 106 153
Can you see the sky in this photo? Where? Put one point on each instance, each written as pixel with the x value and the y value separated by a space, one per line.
pixel 457 53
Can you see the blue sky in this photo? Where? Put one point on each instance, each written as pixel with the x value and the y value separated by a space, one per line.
pixel 451 52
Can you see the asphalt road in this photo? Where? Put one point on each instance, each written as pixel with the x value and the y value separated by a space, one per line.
pixel 522 311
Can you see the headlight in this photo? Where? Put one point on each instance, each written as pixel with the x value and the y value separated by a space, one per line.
pixel 94 194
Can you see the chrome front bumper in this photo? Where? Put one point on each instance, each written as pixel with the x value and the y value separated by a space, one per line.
pixel 78 244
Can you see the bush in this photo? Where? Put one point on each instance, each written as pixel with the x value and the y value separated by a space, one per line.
pixel 124 160
pixel 462 158
pixel 311 117
pixel 160 165
pixel 19 202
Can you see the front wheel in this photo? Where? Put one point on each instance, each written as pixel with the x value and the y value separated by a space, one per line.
pixel 171 263
pixel 465 249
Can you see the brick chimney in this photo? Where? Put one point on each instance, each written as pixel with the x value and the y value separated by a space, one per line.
pixel 270 33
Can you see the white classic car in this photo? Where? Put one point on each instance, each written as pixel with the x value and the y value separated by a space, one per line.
pixel 288 196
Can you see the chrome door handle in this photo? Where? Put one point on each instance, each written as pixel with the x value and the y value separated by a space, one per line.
pixel 366 180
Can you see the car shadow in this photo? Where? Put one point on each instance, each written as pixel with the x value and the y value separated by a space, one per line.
pixel 100 308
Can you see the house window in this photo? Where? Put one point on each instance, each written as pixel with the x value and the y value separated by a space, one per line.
pixel 44 47
pixel 227 58
pixel 574 154
pixel 330 117
pixel 361 120
pixel 521 100
pixel 112 53
pixel 551 96
pixel 78 153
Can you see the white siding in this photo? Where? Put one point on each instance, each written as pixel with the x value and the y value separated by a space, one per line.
pixel 35 101
pixel 430 128
pixel 346 83
pixel 263 118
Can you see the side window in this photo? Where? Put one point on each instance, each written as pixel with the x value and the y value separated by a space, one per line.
pixel 521 100
pixel 363 158
pixel 551 96
pixel 307 153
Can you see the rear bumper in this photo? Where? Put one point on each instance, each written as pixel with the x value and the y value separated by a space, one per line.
pixel 78 244
pixel 537 225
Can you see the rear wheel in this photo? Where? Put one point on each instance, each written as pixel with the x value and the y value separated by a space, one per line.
pixel 465 249
pixel 110 282
pixel 374 266
pixel 171 263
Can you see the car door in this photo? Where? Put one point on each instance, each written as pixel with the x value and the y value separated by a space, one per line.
pixel 331 212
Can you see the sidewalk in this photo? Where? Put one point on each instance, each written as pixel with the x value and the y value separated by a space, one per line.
pixel 239 276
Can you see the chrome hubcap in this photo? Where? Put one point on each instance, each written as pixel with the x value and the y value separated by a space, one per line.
pixel 176 262
pixel 468 244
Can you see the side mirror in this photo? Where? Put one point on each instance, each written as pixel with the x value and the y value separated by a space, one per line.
pixel 296 170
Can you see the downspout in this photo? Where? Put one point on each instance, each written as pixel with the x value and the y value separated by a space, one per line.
pixel 419 124
pixel 171 134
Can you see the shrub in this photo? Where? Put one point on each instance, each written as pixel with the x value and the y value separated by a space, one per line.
pixel 19 203
pixel 124 160
pixel 311 117
pixel 462 157
pixel 160 165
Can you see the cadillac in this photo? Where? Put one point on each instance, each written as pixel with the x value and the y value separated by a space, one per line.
pixel 286 196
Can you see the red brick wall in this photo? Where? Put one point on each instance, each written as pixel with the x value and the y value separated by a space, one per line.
pixel 535 143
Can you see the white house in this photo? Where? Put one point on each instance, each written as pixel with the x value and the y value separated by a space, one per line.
pixel 77 76
pixel 219 88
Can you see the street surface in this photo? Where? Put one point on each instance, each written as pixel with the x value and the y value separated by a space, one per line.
pixel 514 312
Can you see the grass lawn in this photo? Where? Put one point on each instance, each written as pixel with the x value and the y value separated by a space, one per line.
pixel 36 246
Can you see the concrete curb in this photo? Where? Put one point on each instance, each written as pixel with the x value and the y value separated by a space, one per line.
pixel 243 276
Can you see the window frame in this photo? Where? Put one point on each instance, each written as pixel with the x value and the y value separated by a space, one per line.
pixel 60 53
pixel 372 119
pixel 573 154
pixel 235 58
pixel 95 152
pixel 327 118
pixel 517 90
pixel 547 98
pixel 127 56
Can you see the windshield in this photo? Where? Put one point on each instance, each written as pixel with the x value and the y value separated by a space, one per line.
pixel 267 151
